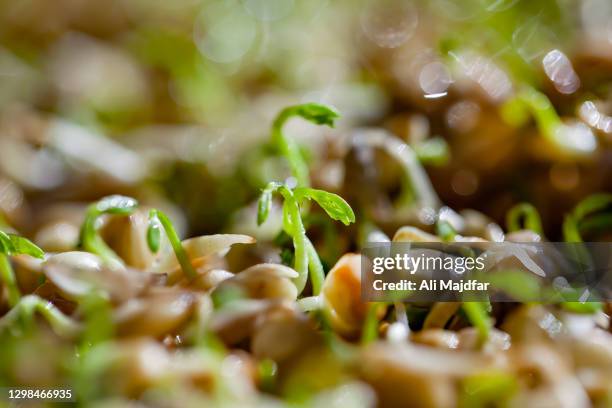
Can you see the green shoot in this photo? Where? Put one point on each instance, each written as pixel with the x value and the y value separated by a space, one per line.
pixel 267 371
pixel 90 239
pixel 306 257
pixel 265 202
pixel 11 244
pixel 478 315
pixel 586 210
pixel 157 218
pixel 333 204
pixel 445 230
pixel 225 295
pixel 520 285
pixel 588 307
pixel 488 389
pixel 98 327
pixel 433 151
pixel 516 112
pixel 529 216
pixel 312 112
pixel 24 311
pixel 369 333
pixel 532 102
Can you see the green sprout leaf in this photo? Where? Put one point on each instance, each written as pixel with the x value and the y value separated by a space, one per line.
pixel 588 307
pixel 524 215
pixel 153 233
pixel 90 240
pixel 6 244
pixel 11 244
pixel 158 217
pixel 585 211
pixel 531 101
pixel 305 257
pixel 334 205
pixel 24 246
pixel 592 204
pixel 8 277
pixel 265 202
pixel 312 112
pixel 316 113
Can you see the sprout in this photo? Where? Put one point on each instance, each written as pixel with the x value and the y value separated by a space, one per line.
pixel 312 112
pixel 157 219
pixel 520 285
pixel 445 230
pixel 306 257
pixel 588 307
pixel 90 239
pixel 528 214
pixel 477 313
pixel 488 388
pixel 25 309
pixel 576 139
pixel 585 216
pixel 434 151
pixel 369 332
pixel 267 371
pixel 11 244
pixel 98 327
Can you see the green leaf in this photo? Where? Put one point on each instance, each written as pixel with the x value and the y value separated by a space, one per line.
pixel 317 113
pixel 11 244
pixel 592 204
pixel 334 205
pixel 265 202
pixel 153 232
pixel 24 246
pixel 582 213
pixel 588 307
pixel 527 213
pixel 6 244
pixel 522 286
pixel 116 204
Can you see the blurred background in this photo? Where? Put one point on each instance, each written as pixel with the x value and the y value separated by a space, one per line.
pixel 171 102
